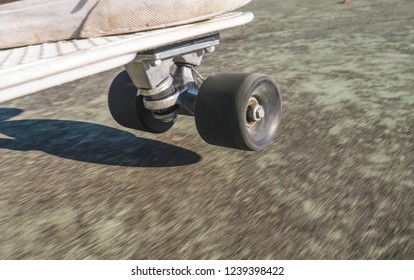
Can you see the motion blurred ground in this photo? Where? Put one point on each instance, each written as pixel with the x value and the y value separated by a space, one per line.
pixel 337 183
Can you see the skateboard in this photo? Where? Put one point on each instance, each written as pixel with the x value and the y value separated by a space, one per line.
pixel 235 110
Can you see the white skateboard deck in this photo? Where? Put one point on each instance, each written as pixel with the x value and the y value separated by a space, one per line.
pixel 29 69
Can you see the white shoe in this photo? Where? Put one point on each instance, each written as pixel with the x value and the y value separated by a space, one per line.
pixel 38 21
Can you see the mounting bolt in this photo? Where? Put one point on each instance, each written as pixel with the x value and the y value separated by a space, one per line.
pixel 156 62
pixel 211 49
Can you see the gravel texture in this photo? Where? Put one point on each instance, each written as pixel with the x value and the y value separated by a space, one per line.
pixel 338 182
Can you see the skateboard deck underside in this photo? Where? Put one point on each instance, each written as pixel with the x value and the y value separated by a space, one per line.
pixel 29 69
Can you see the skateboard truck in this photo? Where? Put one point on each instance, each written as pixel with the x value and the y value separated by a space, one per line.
pixel 165 92
pixel 234 110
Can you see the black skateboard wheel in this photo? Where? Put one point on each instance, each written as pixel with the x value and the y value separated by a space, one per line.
pixel 238 110
pixel 127 107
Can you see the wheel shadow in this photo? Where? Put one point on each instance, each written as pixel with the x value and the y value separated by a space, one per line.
pixel 88 142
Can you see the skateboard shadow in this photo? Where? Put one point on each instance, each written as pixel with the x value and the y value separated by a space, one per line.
pixel 88 142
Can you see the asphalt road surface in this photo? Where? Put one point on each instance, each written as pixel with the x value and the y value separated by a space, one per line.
pixel 336 184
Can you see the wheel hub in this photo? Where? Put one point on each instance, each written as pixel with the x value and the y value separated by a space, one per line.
pixel 255 112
